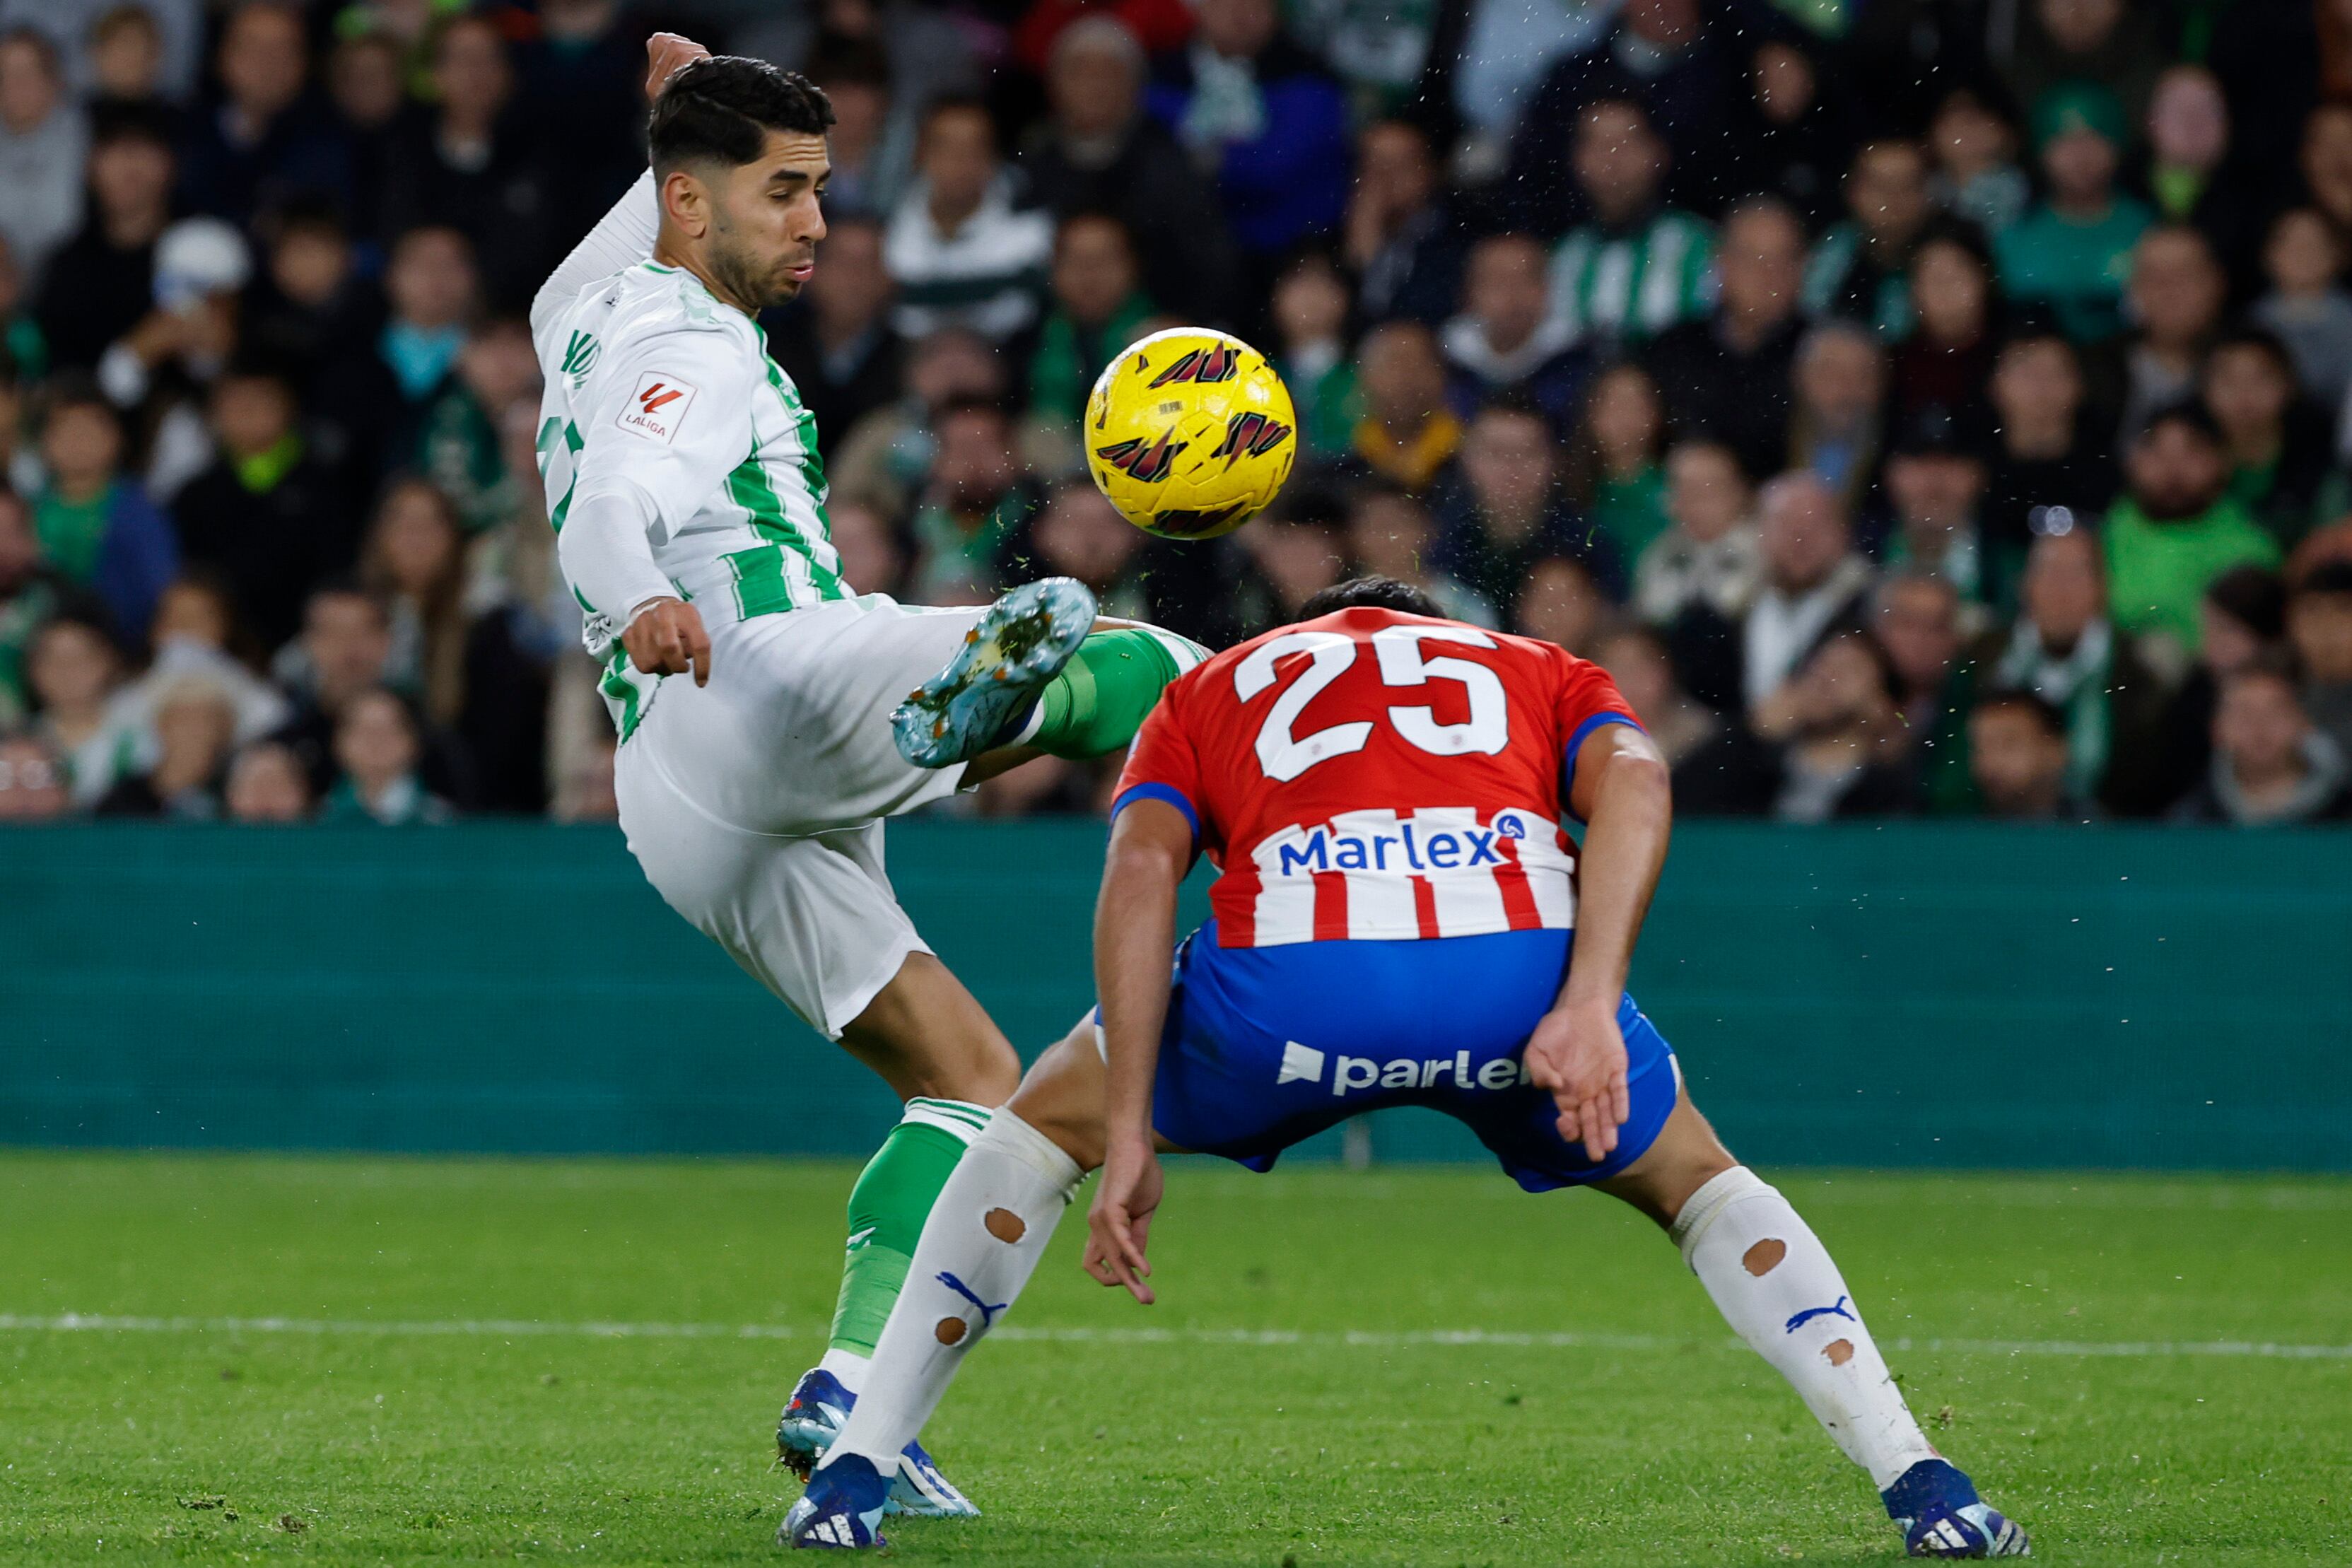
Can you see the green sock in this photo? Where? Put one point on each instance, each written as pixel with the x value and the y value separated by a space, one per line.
pixel 886 1210
pixel 1100 699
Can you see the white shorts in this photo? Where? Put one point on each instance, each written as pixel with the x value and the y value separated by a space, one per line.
pixel 754 803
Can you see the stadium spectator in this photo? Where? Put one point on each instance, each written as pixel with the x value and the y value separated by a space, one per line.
pixel 1401 240
pixel 44 143
pixel 471 165
pixel 2048 465
pixel 1945 360
pixel 2187 175
pixel 2176 293
pixel 194 729
pixel 872 144
pixel 1838 739
pixel 1791 134
pixel 1639 661
pixel 1504 507
pixel 366 84
pixel 1100 151
pixel 872 557
pixel 1726 373
pixel 378 753
pixel 96 526
pixel 373 403
pixel 2271 764
pixel 2017 758
pixel 1310 315
pixel 458 439
pixel 197 633
pixel 2176 527
pixel 1635 267
pixel 1616 477
pixel 2064 649
pixel 2066 252
pixel 974 514
pixel 836 342
pixel 1916 620
pixel 1506 339
pixel 1097 310
pixel 1407 434
pixel 1977 177
pixel 1080 534
pixel 1297 549
pixel 2307 307
pixel 2278 442
pixel 266 516
pixel 583 75
pixel 1836 416
pixel 1935 485
pixel 29 594
pixel 267 784
pixel 2063 41
pixel 1814 584
pixel 459 660
pixel 884 459
pixel 2241 618
pixel 103 281
pixel 1862 267
pixel 1562 602
pixel 307 301
pixel 1392 534
pixel 345 649
pixel 75 670
pixel 32 780
pixel 962 254
pixel 2319 627
pixel 1707 558
pixel 263 141
pixel 128 54
pixel 1262 118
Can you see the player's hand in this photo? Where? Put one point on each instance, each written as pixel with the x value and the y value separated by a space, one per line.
pixel 1119 1224
pixel 667 638
pixel 666 54
pixel 1576 1055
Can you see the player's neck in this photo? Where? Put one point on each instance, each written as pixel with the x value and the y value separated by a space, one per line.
pixel 670 251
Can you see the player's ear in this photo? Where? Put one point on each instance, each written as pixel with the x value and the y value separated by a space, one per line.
pixel 686 202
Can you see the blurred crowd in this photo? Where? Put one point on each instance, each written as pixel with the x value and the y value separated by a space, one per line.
pixel 1919 406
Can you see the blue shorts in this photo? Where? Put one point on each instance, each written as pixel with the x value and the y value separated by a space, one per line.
pixel 1265 1047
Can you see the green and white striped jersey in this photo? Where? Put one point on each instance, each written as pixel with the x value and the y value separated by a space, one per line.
pixel 656 390
pixel 1633 285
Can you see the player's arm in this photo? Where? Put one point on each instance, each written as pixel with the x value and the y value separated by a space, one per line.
pixel 624 235
pixel 1577 1052
pixel 1151 848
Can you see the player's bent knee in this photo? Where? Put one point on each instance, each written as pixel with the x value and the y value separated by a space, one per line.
pixel 1062 1096
pixel 1685 1158
pixel 925 1035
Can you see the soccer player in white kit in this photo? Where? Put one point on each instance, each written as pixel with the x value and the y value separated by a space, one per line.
pixel 762 705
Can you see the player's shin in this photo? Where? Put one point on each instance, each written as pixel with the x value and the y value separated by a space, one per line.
pixel 984 1237
pixel 1100 698
pixel 1775 1284
pixel 893 1196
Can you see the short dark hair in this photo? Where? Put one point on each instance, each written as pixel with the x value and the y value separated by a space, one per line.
pixel 2329 577
pixel 1371 594
pixel 718 110
pixel 2189 415
pixel 2044 712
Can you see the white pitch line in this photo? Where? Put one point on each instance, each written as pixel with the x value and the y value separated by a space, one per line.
pixel 523 1328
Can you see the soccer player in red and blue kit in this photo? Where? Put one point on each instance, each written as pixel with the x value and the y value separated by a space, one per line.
pixel 1381 791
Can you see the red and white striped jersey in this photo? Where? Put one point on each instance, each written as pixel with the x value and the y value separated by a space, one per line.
pixel 1377 776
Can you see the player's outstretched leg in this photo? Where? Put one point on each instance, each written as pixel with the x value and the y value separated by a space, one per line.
pixel 980 1246
pixel 1039 670
pixel 930 1041
pixel 1775 1283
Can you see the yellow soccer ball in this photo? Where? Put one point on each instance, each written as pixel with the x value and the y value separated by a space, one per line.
pixel 1189 433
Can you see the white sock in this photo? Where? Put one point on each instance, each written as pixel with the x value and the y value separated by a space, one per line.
pixel 986 1231
pixel 847 1365
pixel 1775 1284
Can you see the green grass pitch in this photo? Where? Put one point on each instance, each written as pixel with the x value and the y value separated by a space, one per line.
pixel 1326 1381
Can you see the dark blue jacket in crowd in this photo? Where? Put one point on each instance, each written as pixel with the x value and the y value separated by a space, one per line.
pixel 1292 181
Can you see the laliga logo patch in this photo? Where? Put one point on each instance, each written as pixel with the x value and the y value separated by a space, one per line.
pixel 1146 462
pixel 1220 363
pixel 656 407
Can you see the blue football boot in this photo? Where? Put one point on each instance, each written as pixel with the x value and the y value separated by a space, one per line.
pixel 842 1510
pixel 1940 1515
pixel 1018 643
pixel 813 1418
